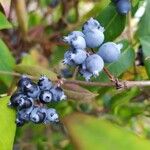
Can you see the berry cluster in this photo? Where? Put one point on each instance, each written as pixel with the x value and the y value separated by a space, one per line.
pixel 29 98
pixel 123 6
pixel 92 36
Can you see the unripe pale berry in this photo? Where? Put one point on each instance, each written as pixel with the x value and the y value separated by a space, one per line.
pixel 70 36
pixel 78 57
pixel 78 42
pixel 92 24
pixel 110 52
pixel 67 58
pixel 86 74
pixel 94 33
pixel 94 64
pixel 94 38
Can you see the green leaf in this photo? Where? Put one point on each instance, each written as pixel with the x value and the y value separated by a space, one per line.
pixel 7 125
pixel 125 61
pixel 145 41
pixel 122 98
pixel 35 71
pixel 144 24
pixel 92 133
pixel 58 54
pixel 131 109
pixel 4 24
pixel 7 63
pixel 113 22
pixel 135 6
pixel 34 19
pixel 99 6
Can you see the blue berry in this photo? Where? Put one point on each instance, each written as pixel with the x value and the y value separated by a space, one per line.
pixel 78 42
pixel 86 74
pixel 37 114
pixel 123 6
pixel 23 82
pixel 15 99
pixel 26 102
pixel 23 116
pixel 94 33
pixel 110 52
pixel 67 59
pixel 45 96
pixel 78 57
pixel 70 36
pixel 74 57
pixel 44 83
pixel 51 116
pixel 19 121
pixel 94 64
pixel 94 38
pixel 58 94
pixel 92 24
pixel 32 90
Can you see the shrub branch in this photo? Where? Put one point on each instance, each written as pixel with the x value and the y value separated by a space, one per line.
pixel 123 84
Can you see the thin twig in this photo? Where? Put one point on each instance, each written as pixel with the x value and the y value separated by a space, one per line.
pixel 84 83
pixel 111 77
pixel 124 84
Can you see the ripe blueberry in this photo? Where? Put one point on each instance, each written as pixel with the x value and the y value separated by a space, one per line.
pixel 23 82
pixel 58 94
pixel 51 116
pixel 32 90
pixel 15 99
pixel 45 96
pixel 37 114
pixel 123 6
pixel 44 83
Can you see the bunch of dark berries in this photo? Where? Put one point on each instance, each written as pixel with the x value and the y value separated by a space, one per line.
pixel 81 48
pixel 29 100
